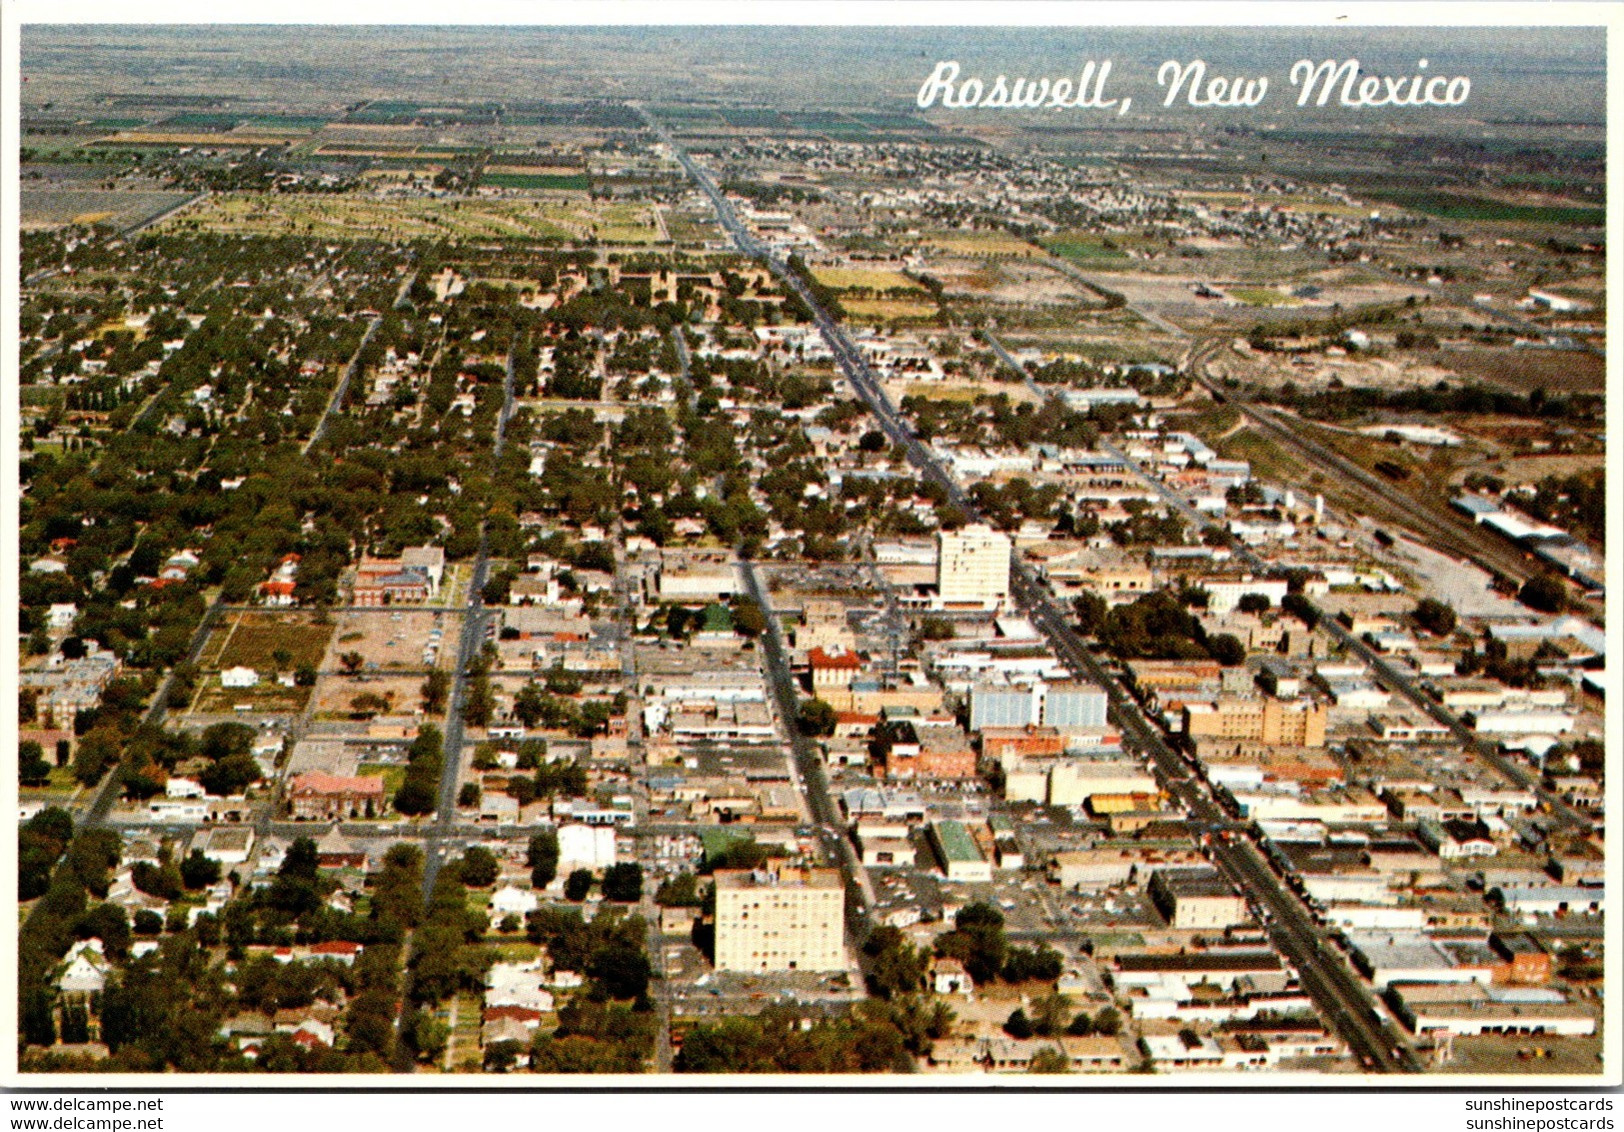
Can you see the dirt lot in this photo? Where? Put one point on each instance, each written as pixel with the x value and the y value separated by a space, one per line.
pixel 265 698
pixel 1532 469
pixel 53 207
pixel 335 693
pixel 394 639
pixel 1497 1054
pixel 253 638
pixel 1558 371
pixel 1009 281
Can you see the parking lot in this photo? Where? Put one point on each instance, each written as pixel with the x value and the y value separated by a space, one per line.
pixel 395 639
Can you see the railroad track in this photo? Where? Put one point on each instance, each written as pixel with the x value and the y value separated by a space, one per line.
pixel 1437 525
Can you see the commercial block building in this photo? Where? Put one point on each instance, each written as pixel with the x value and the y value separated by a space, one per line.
pixel 780 919
pixel 1297 723
pixel 972 567
pixel 1197 898
pixel 961 858
pixel 322 797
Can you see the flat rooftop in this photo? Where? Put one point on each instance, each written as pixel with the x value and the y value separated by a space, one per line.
pixel 778 878
pixel 956 842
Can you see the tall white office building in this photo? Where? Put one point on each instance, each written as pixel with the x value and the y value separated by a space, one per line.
pixel 972 566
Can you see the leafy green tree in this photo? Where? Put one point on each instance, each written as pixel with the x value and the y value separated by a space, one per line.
pixel 397 896
pixel 748 618
pixel 32 769
pixel 478 867
pixel 1049 1059
pixel 429 1036
pixel 977 941
pixel 37 1017
pixel 623 882
pixel 1436 617
pixel 108 923
pixel 435 690
pixel 1227 649
pixel 164 881
pixel 817 718
pixel 297 888
pixel 577 885
pixel 1018 1025
pixel 680 891
pixel 1041 963
pixel 1300 607
pixel 1049 1014
pixel 230 775
pixel 1254 603
pixel 1545 593
pixel 620 969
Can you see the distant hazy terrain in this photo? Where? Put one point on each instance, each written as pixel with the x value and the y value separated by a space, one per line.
pixel 1519 76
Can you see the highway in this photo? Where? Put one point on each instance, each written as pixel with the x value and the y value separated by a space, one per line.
pixel 1342 999
pixel 1338 993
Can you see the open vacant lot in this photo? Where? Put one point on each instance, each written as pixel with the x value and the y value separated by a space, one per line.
pixel 1556 371
pixel 335 695
pixel 864 279
pixel 254 639
pixel 354 217
pixel 265 698
pixel 54 208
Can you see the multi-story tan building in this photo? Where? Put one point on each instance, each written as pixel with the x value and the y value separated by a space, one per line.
pixel 1296 723
pixel 780 919
pixel 1197 898
pixel 972 566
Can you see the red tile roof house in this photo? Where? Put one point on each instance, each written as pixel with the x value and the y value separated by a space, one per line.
pixel 524 1015
pixel 320 796
pixel 336 949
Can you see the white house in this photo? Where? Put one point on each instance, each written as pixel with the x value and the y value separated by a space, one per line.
pixel 86 970
pixel 239 677
pixel 517 984
pixel 183 788
pixel 511 900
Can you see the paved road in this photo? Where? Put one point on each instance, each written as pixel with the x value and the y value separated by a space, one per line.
pixel 350 368
pixel 809 768
pixel 1342 999
pixel 469 645
pixel 1149 316
pixel 1008 359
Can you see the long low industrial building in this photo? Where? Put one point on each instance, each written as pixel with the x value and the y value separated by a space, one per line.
pixel 1470 1009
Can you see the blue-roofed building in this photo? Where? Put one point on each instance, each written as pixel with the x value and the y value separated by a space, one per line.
pixel 1476 506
